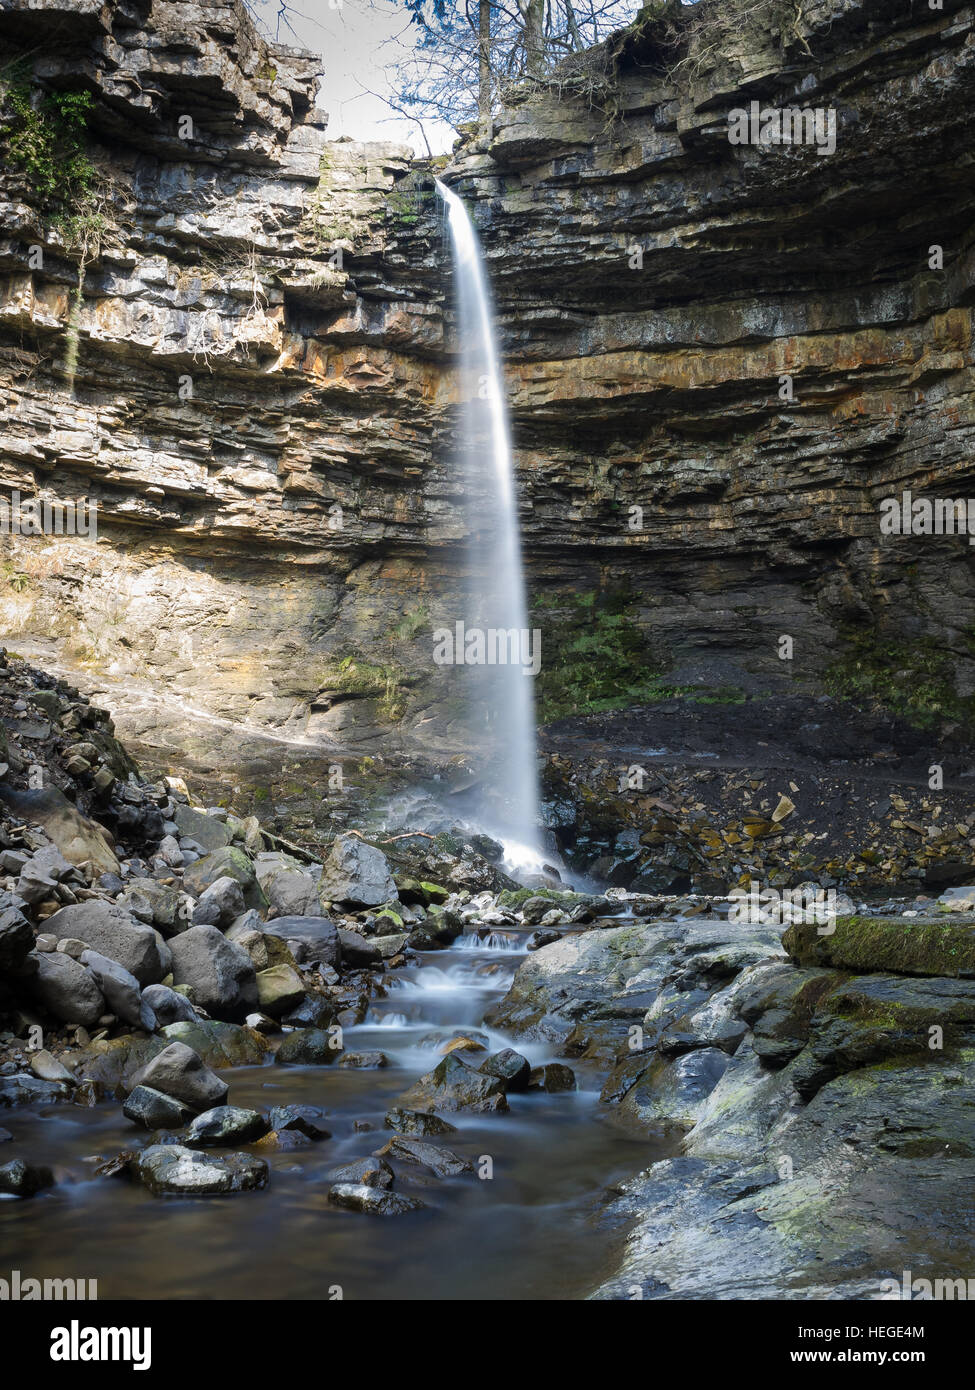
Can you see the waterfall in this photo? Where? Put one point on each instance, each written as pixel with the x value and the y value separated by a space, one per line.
pixel 495 599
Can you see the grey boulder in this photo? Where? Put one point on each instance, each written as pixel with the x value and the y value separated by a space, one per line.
pixel 66 989
pixel 219 974
pixel 112 932
pixel 179 1071
pixel 357 874
pixel 121 990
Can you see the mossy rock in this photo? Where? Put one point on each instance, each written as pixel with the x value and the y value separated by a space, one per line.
pixel 221 1044
pixel 515 898
pixel 903 946
pixel 229 862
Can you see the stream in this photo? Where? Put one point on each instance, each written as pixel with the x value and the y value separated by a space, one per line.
pixel 526 1233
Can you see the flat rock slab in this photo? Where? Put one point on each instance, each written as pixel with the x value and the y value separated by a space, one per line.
pixel 173 1170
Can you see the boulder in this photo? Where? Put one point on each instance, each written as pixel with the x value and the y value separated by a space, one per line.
pixel 509 1067
pixel 417 1122
pixel 218 973
pixel 155 904
pixel 80 840
pixel 168 1005
pixel 153 1109
pixel 364 1172
pixel 375 1201
pixel 180 1072
pixel 225 1124
pixel 443 1162
pixel 453 1086
pixel 174 1170
pixel 318 934
pixel 16 934
pixel 357 874
pixel 307 1047
pixel 220 904
pixel 279 990
pixel 229 862
pixel 20 1179
pixel 552 1077
pixel 121 990
pixel 208 831
pixel 303 1119
pixel 112 932
pixel 906 946
pixel 65 988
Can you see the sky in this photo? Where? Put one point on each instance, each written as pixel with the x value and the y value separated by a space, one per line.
pixel 357 40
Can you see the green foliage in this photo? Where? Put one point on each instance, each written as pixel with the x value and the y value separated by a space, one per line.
pixel 915 680
pixel 411 623
pixel 43 135
pixel 381 681
pixel 594 656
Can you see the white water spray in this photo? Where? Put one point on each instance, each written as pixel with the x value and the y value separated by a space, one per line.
pixel 496 595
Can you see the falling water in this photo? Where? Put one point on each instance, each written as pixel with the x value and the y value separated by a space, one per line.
pixel 496 594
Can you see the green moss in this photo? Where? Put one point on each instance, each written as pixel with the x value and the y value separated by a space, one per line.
pixel 915 680
pixel 914 946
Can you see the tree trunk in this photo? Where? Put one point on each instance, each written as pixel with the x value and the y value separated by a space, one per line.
pixel 533 16
pixel 484 69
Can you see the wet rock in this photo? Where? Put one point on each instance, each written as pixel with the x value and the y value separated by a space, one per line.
pixel 219 973
pixel 279 990
pixel 364 1172
pixel 538 939
pixel 509 1067
pixel 153 1109
pixel 307 1047
pixel 121 990
pixel 48 1068
pixel 168 1005
pixel 65 988
pixel 225 1124
pixel 552 1077
pixel 20 1179
pixel 112 932
pixel 23 1088
pixel 453 1086
pixel 357 875
pixel 907 946
pixel 463 1044
pixel 220 1044
pixel 318 934
pixel 364 1061
pixel 667 1094
pixel 417 1122
pixel 314 1011
pixel 443 1162
pixel 303 1119
pixel 174 1170
pixel 178 1071
pixel 375 1201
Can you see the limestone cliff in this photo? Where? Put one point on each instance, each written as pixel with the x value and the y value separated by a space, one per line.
pixel 273 546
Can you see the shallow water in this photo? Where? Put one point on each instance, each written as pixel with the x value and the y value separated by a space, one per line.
pixel 526 1233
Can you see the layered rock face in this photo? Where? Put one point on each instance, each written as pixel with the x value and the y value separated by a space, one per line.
pixel 661 290
pixel 263 399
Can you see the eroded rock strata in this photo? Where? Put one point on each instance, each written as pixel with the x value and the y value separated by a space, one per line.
pixel 223 568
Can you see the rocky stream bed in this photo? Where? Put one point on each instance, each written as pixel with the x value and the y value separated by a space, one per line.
pixel 393 1071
